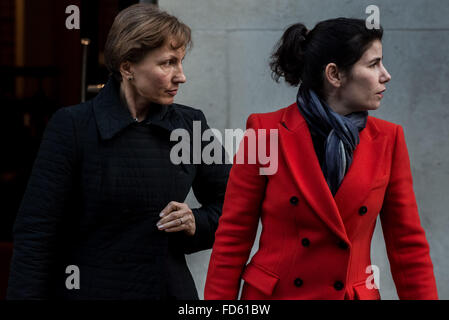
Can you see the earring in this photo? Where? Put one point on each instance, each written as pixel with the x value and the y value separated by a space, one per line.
pixel 130 78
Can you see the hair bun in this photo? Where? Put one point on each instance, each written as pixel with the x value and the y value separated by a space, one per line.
pixel 303 31
pixel 299 31
pixel 288 58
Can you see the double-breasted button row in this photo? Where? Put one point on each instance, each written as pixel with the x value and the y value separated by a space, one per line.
pixel 363 210
pixel 338 285
pixel 341 244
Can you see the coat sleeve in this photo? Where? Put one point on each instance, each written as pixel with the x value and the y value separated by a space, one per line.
pixel 238 225
pixel 209 187
pixel 40 212
pixel 406 244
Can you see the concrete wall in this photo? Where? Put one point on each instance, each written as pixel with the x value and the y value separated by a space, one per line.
pixel 228 78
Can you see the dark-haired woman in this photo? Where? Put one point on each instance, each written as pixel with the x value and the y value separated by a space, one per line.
pixel 104 216
pixel 338 168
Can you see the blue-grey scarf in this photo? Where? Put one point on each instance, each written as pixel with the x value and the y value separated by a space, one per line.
pixel 340 133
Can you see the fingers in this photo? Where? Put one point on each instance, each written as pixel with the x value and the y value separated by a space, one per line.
pixel 171 206
pixel 174 219
pixel 177 217
pixel 174 210
pixel 178 228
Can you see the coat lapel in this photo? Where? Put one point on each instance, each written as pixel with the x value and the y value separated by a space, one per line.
pixel 361 176
pixel 298 150
pixel 340 213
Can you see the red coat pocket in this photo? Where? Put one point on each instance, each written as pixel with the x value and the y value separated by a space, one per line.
pixel 362 292
pixel 260 278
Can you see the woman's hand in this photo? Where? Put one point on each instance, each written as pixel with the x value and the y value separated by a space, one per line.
pixel 177 217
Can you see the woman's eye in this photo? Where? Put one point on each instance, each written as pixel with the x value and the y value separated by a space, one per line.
pixel 169 63
pixel 375 64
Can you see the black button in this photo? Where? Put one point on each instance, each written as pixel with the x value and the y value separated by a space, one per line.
pixel 298 282
pixel 363 210
pixel 338 285
pixel 305 242
pixel 294 200
pixel 343 245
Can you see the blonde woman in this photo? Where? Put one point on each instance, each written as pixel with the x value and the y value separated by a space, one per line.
pixel 104 200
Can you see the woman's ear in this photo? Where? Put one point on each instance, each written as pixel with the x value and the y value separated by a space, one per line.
pixel 125 70
pixel 333 75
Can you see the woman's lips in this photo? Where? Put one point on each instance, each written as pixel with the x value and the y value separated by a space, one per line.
pixel 172 92
pixel 381 93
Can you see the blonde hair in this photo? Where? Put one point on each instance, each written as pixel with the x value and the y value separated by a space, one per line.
pixel 139 29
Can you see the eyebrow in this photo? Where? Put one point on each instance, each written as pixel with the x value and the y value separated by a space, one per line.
pixel 172 56
pixel 375 60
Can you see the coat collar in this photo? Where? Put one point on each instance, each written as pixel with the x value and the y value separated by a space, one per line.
pixel 112 116
pixel 300 155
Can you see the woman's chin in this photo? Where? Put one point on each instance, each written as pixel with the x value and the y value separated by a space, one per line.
pixel 375 107
pixel 372 107
pixel 166 100
pixel 162 101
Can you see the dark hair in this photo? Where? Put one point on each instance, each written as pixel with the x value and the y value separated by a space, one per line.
pixel 301 56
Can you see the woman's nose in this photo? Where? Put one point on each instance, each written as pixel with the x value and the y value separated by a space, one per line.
pixel 385 77
pixel 180 77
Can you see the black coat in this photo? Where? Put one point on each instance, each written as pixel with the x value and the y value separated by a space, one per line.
pixel 98 185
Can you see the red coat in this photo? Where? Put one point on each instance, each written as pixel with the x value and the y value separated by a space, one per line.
pixel 314 245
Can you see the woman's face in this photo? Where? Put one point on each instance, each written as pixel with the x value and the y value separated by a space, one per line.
pixel 363 88
pixel 158 76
